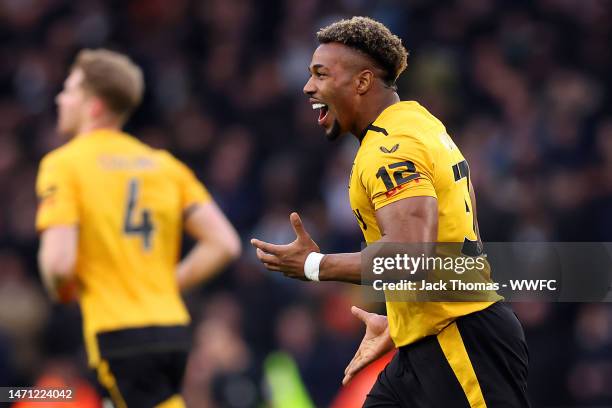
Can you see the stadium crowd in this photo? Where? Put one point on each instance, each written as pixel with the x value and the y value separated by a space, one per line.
pixel 523 87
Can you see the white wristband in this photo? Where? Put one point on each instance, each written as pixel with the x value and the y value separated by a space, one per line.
pixel 311 266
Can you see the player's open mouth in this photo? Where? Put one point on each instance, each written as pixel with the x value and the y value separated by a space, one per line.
pixel 323 111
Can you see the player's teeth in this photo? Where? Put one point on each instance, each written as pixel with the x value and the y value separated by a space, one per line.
pixel 318 106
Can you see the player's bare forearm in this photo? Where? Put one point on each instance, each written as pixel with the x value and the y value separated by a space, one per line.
pixel 411 220
pixel 57 261
pixel 341 268
pixel 349 267
pixel 217 245
pixel 201 264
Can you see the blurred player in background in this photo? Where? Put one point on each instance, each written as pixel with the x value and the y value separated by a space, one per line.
pixel 111 215
pixel 409 183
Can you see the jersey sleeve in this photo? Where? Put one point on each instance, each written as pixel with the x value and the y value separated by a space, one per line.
pixel 57 194
pixel 191 189
pixel 398 167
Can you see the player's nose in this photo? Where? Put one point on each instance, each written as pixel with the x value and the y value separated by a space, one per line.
pixel 309 88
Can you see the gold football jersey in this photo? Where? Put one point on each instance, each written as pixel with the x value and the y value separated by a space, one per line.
pixel 406 152
pixel 128 201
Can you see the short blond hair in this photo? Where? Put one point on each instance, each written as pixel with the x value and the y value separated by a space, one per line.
pixel 113 77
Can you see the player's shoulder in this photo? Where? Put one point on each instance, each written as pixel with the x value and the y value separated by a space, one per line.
pixel 166 158
pixel 403 127
pixel 62 155
pixel 171 163
pixel 404 132
pixel 408 118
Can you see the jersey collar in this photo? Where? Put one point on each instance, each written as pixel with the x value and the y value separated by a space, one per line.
pixel 373 128
pixel 379 129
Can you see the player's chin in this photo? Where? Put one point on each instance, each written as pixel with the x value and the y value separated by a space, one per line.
pixel 334 131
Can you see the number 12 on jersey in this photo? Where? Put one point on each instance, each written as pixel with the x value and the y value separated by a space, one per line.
pixel 131 226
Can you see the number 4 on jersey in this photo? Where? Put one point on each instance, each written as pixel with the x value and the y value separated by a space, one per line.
pixel 130 225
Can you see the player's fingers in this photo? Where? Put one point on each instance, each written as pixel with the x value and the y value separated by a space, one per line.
pixel 298 226
pixel 347 379
pixel 265 246
pixel 266 258
pixel 353 368
pixel 360 313
pixel 357 366
pixel 348 367
pixel 272 267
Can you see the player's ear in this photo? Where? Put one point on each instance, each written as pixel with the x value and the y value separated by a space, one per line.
pixel 364 81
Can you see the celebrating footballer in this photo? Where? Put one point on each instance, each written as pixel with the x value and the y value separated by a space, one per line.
pixel 409 184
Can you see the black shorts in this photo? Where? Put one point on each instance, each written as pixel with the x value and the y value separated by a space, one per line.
pixel 480 360
pixel 143 367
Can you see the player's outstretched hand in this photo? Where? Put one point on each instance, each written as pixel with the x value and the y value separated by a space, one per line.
pixel 288 259
pixel 376 342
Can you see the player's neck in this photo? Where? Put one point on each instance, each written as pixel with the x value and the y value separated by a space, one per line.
pixel 371 110
pixel 99 124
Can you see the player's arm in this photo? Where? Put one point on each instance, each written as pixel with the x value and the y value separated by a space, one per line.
pixel 57 220
pixel 410 220
pixel 217 244
pixel 406 212
pixel 413 219
pixel 57 259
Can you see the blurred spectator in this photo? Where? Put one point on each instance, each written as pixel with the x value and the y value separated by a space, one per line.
pixel 23 312
pixel 220 370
